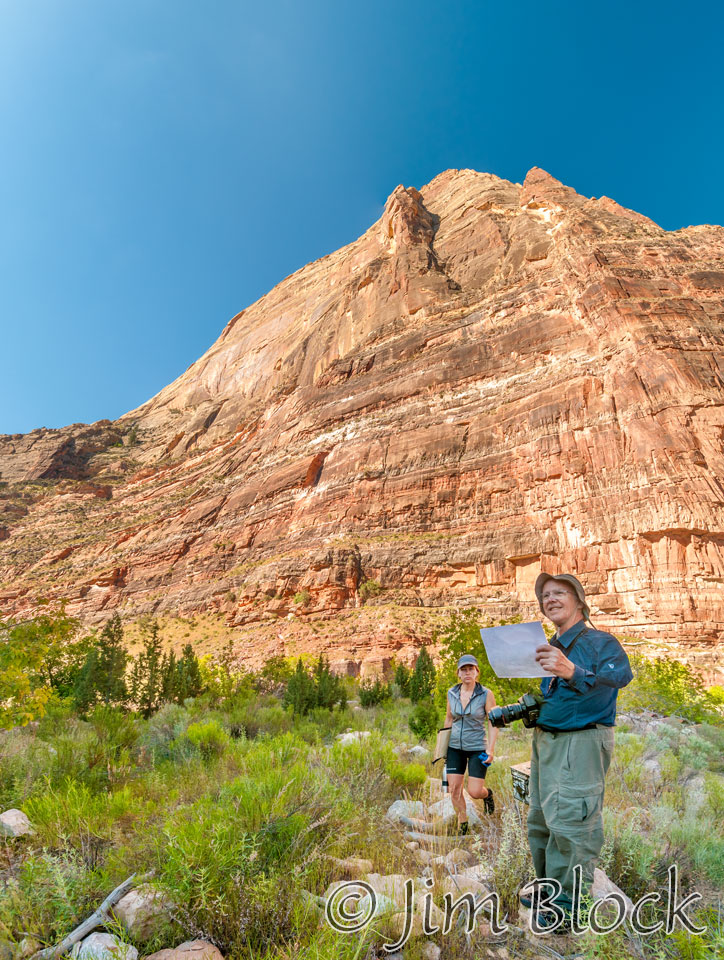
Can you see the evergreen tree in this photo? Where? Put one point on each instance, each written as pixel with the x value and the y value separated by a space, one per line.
pixel 147 674
pixel 189 682
pixel 112 662
pixel 300 694
pixel 402 679
pixel 327 685
pixel 170 678
pixel 85 688
pixel 422 681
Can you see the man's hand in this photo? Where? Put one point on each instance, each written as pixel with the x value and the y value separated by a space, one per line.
pixel 554 661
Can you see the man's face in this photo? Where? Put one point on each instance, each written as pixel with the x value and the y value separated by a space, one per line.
pixel 560 603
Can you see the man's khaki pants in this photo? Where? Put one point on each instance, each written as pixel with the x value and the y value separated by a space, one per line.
pixel 565 822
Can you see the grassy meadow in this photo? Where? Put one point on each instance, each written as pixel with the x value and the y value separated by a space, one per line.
pixel 239 799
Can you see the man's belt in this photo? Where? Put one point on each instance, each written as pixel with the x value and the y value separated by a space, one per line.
pixel 589 726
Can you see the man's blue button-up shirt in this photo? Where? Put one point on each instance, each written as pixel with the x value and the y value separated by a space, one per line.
pixel 602 668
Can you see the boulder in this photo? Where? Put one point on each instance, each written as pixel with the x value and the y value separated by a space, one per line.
pixel 351 868
pixel 419 754
pixel 14 823
pixel 392 885
pixel 459 885
pixel 399 920
pixel 602 886
pixel 189 950
pixel 27 947
pixel 430 951
pixel 103 946
pixel 443 810
pixel 143 911
pixel 352 736
pixel 458 858
pixel 405 808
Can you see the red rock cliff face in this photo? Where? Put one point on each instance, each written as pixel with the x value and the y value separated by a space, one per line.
pixel 492 381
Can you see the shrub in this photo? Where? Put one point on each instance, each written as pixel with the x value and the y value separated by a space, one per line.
pixel 372 692
pixel 402 679
pixel 302 597
pixel 321 689
pixel 49 897
pixel 165 726
pixel 672 688
pixel 408 776
pixel 210 738
pixel 424 719
pixel 422 681
pixel 369 589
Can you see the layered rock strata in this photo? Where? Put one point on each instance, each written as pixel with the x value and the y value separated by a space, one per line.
pixel 493 380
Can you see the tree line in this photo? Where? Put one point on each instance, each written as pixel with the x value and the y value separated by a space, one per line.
pixel 45 657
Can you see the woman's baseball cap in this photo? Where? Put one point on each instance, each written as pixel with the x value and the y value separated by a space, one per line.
pixel 466 659
pixel 564 578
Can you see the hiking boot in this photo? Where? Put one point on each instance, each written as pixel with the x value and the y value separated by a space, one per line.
pixel 488 802
pixel 554 921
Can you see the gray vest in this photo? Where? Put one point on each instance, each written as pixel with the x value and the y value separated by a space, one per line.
pixel 468 729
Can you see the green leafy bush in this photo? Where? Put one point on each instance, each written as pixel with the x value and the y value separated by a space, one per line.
pixel 424 719
pixel 422 681
pixel 369 589
pixel 407 776
pixel 321 688
pixel 672 688
pixel 210 738
pixel 402 679
pixel 303 597
pixel 372 692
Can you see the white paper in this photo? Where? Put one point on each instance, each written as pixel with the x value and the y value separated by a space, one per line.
pixel 511 649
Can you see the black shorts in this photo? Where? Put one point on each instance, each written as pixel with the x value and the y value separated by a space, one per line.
pixel 458 760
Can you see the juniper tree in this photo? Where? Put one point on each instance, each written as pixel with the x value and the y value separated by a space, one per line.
pixel 422 681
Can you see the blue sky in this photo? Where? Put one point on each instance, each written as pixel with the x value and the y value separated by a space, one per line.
pixel 165 163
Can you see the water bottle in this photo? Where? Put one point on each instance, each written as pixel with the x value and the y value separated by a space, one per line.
pixel 444 779
pixel 483 757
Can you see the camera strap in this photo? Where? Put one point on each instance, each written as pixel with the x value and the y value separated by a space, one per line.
pixel 554 680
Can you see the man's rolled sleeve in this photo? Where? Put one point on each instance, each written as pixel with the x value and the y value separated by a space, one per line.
pixel 581 680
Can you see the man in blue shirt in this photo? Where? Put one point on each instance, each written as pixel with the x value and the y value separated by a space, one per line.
pixel 573 741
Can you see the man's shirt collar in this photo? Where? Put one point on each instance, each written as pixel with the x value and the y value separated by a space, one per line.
pixel 567 638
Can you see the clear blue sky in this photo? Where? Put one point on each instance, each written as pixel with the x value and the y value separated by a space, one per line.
pixel 166 162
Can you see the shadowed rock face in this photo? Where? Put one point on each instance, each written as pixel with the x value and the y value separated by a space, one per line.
pixel 493 380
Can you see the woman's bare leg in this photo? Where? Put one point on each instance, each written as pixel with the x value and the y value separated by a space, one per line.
pixel 477 788
pixel 455 781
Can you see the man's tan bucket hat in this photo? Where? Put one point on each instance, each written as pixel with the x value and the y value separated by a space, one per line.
pixel 568 578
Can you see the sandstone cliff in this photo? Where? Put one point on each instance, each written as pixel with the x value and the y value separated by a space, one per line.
pixel 492 380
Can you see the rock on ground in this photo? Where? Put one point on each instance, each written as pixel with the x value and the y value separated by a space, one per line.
pixel 602 886
pixel 14 823
pixel 103 946
pixel 189 950
pixel 444 810
pixel 405 808
pixel 142 911
pixel 352 736
pixel 351 868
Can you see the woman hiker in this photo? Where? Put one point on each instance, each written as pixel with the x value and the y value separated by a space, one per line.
pixel 468 706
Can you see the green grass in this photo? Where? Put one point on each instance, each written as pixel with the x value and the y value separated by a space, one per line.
pixel 238 807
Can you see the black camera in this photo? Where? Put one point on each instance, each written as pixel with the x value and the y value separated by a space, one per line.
pixel 526 709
